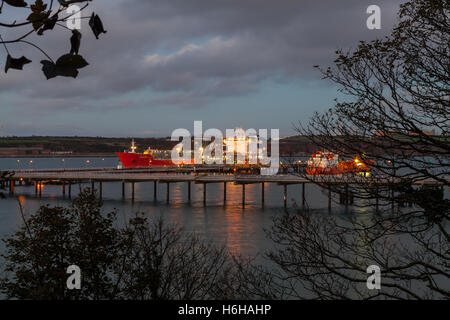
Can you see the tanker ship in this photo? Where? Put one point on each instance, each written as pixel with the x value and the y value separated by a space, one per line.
pixel 150 158
pixel 328 163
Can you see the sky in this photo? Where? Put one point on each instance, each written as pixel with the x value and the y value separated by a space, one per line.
pixel 164 63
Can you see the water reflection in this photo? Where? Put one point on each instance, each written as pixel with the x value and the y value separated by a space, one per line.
pixel 240 229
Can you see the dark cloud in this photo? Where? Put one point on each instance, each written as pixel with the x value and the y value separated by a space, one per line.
pixel 192 52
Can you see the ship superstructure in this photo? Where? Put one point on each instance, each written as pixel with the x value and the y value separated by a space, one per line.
pixel 325 162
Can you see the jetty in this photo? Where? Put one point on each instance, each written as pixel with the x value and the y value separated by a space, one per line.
pixel 199 175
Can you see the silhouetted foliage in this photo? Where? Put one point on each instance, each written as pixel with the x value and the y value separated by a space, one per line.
pixel 396 89
pixel 160 262
pixel 51 240
pixel 142 260
pixel 40 18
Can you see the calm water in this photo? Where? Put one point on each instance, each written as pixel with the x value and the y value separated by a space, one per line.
pixel 240 229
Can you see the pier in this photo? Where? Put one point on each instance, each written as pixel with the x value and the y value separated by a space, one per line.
pixel 202 176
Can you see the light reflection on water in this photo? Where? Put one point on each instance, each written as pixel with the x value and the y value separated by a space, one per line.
pixel 240 229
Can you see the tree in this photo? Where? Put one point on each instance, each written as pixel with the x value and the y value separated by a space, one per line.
pixel 38 255
pixel 396 89
pixel 142 260
pixel 160 262
pixel 39 19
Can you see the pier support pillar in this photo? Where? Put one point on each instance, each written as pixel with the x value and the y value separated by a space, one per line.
pixel 303 194
pixel 224 193
pixel 347 199
pixel 189 191
pixel 155 190
pixel 132 191
pixel 11 186
pixel 168 192
pixel 123 189
pixel 204 193
pixel 70 190
pixel 262 194
pixel 392 199
pixel 35 188
pixel 376 199
pixel 40 188
pixel 243 195
pixel 63 189
pixel 92 187
pixel 100 190
pixel 329 199
pixel 285 195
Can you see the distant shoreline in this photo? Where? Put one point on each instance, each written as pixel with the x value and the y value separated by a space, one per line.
pixel 49 156
pixel 93 155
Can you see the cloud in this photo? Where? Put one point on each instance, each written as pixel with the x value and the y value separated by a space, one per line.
pixel 192 53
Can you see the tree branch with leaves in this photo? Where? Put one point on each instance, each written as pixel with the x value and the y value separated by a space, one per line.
pixel 41 18
pixel 396 89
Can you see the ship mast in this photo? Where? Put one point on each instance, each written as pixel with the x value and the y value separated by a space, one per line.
pixel 133 147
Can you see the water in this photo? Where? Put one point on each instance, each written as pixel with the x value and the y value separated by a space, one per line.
pixel 240 229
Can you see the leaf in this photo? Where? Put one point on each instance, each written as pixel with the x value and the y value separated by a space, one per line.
pixel 75 41
pixel 38 6
pixel 71 61
pixel 51 70
pixel 66 66
pixel 37 19
pixel 38 14
pixel 16 3
pixel 13 63
pixel 96 25
pixel 49 24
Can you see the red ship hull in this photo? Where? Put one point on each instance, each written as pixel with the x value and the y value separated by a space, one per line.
pixel 319 170
pixel 140 160
pixel 342 168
